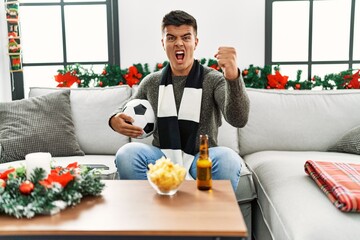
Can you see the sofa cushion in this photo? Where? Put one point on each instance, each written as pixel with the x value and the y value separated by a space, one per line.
pixel 38 124
pixel 228 136
pixel 349 143
pixel 245 191
pixel 91 109
pixel 298 120
pixel 292 205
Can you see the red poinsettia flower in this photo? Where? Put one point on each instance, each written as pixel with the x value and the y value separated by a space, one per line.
pixel 60 175
pixel 347 76
pixel 354 82
pixel 133 76
pixel 215 66
pixel 72 165
pixel 67 79
pixel 46 183
pixel 132 81
pixel 277 81
pixel 4 175
pixel 56 170
pixel 133 71
pixel 63 179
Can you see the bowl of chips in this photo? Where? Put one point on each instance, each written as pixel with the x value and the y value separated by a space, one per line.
pixel 165 176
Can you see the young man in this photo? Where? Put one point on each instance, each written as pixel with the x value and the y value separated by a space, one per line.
pixel 188 100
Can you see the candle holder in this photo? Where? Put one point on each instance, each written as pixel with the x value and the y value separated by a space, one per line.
pixel 37 160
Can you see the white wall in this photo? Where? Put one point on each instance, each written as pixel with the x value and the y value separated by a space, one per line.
pixel 5 86
pixel 237 23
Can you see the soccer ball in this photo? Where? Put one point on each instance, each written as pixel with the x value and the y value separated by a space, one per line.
pixel 143 114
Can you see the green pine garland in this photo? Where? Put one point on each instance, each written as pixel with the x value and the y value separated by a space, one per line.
pixel 254 76
pixel 46 200
pixel 257 77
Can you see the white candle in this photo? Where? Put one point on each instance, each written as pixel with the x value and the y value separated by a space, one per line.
pixel 37 160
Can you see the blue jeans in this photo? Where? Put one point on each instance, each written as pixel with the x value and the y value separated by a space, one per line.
pixel 133 158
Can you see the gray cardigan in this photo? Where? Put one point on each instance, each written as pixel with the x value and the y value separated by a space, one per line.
pixel 218 96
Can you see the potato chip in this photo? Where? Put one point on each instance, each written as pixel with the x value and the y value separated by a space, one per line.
pixel 166 175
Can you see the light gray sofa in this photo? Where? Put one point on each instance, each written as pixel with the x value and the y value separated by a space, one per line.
pixel 286 128
pixel 91 108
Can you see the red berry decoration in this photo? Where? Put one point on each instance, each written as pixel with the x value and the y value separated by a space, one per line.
pixel 26 187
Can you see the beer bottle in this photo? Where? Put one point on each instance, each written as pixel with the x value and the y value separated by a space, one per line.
pixel 204 165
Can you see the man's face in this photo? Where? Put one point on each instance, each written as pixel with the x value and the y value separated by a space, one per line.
pixel 179 44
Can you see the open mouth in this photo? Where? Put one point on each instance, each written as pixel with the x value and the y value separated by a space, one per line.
pixel 180 55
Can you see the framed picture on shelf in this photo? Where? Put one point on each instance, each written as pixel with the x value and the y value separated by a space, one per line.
pixel 12 11
pixel 15 62
pixel 14 45
pixel 13 30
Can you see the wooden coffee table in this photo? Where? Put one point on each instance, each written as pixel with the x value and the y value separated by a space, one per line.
pixel 131 209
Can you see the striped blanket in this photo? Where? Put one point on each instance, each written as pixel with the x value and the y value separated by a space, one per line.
pixel 339 181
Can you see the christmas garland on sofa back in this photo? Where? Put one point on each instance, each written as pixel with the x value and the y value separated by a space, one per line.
pixel 254 76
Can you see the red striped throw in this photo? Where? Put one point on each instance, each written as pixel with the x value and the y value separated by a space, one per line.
pixel 339 181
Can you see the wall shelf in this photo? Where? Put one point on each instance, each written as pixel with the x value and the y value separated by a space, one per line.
pixel 14 36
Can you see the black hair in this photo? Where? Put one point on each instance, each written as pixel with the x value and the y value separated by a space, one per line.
pixel 178 18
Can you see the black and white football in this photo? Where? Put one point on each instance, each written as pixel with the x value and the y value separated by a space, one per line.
pixel 143 114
